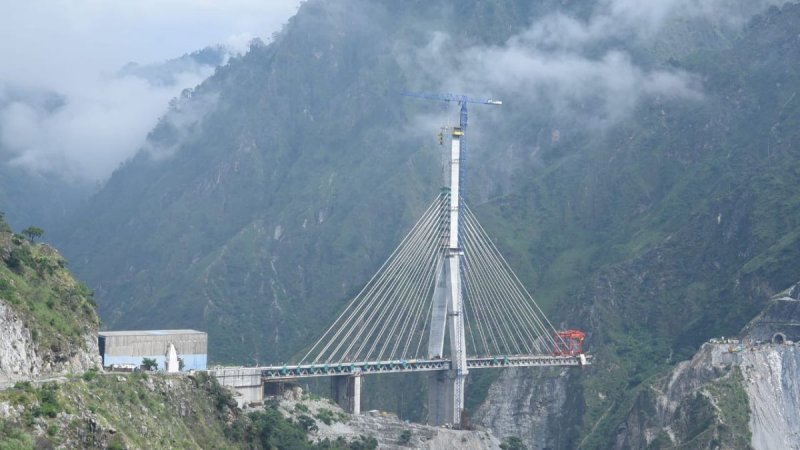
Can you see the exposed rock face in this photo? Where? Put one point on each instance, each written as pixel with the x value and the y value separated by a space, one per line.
pixel 17 352
pixel 692 406
pixel 48 324
pixel 389 431
pixel 772 382
pixel 733 393
pixel 772 375
pixel 20 357
pixel 690 409
pixel 527 406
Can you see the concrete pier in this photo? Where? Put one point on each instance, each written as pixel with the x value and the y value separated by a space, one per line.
pixel 346 392
pixel 440 397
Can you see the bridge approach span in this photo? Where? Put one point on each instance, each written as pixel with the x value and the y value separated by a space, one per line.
pixel 250 381
pixel 401 366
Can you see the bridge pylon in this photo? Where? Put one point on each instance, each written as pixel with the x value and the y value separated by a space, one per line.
pixel 446 390
pixel 445 302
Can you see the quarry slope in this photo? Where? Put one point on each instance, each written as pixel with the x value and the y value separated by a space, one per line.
pixel 734 393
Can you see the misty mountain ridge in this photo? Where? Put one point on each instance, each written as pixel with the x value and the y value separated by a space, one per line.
pixel 640 178
pixel 168 72
pixel 55 189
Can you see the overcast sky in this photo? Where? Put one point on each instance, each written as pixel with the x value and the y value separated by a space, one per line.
pixel 73 47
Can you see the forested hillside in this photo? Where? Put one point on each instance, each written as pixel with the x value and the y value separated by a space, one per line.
pixel 699 222
pixel 651 200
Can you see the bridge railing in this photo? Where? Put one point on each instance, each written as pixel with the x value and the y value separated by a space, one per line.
pixel 367 367
pixel 267 373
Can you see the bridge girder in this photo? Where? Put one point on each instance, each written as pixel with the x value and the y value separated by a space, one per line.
pixel 279 373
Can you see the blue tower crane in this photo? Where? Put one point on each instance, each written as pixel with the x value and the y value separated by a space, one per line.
pixel 462 100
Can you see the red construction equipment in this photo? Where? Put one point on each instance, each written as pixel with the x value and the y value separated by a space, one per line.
pixel 568 343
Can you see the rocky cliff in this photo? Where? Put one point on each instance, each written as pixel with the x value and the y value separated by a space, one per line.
pixel 17 351
pixel 48 324
pixel 734 393
pixel 772 382
pixel 529 408
pixel 727 396
pixel 22 358
pixel 701 404
pixel 388 431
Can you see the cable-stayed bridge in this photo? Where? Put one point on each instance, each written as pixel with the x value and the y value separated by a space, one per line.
pixel 445 302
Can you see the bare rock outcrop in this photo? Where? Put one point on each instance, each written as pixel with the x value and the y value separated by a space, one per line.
pixel 734 392
pixel 772 382
pixel 528 405
pixel 390 433
pixel 18 356
pixel 22 359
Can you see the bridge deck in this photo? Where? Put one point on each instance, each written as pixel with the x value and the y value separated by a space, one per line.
pixel 270 373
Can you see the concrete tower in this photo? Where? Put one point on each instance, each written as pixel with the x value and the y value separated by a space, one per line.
pixel 446 389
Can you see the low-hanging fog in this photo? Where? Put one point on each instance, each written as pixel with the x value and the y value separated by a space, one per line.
pixel 67 108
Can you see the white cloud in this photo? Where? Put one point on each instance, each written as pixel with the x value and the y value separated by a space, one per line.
pixel 574 67
pixel 565 73
pixel 69 47
pixel 604 89
pixel 92 132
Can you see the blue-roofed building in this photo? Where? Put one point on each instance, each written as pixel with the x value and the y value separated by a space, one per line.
pixel 130 347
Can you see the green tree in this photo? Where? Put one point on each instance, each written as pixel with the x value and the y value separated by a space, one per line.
pixel 49 404
pixel 307 423
pixel 405 437
pixel 149 364
pixel 364 443
pixel 513 443
pixel 33 233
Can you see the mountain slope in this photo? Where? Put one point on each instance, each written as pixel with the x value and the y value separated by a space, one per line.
pixel 696 215
pixel 48 325
pixel 250 180
pixel 271 192
pixel 251 203
pixel 732 393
